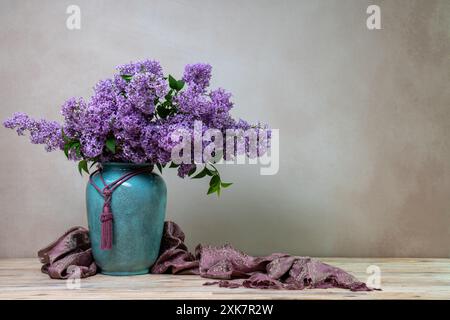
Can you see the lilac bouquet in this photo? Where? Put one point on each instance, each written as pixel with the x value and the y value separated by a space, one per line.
pixel 132 117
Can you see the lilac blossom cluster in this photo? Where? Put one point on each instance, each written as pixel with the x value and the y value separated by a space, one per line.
pixel 41 131
pixel 136 111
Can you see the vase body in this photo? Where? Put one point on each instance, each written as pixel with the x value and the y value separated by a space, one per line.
pixel 138 206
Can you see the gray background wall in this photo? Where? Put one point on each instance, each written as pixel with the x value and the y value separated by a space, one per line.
pixel 364 119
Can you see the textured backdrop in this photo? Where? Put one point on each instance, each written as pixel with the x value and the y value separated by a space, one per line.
pixel 364 119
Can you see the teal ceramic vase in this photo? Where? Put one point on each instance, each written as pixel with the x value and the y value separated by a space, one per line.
pixel 138 206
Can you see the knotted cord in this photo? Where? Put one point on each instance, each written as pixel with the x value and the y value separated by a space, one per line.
pixel 106 192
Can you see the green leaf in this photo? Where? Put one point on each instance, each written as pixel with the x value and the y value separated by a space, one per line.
pixel 214 171
pixel 66 150
pixel 202 173
pixel 92 164
pixel 74 144
pixel 192 171
pixel 173 110
pixel 111 144
pixel 78 151
pixel 174 165
pixel 214 185
pixel 215 180
pixel 82 166
pixel 226 184
pixel 159 166
pixel 70 145
pixel 163 111
pixel 173 83
pixel 127 77
pixel 180 85
pixel 214 188
pixel 65 138
pixel 168 96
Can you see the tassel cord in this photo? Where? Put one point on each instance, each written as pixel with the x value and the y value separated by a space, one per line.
pixel 106 192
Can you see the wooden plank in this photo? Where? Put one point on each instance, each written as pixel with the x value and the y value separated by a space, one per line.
pixel 400 279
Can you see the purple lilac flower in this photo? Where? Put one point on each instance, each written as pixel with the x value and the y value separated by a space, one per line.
pixel 19 121
pixel 73 111
pixel 41 131
pixel 132 68
pixel 123 107
pixel 144 89
pixel 192 102
pixel 184 169
pixel 197 75
pixel 221 100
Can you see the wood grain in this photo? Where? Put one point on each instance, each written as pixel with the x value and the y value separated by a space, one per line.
pixel 400 279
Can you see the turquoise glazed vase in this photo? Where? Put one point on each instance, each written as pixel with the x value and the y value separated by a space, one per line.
pixel 138 206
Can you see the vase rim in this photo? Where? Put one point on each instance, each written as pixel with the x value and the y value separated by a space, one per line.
pixel 125 164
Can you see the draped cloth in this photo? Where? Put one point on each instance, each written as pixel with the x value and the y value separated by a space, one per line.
pixel 69 255
pixel 228 267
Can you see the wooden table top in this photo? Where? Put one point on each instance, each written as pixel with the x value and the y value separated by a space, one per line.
pixel 401 278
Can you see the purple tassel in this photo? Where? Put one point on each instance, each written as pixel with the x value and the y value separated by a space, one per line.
pixel 106 217
pixel 107 228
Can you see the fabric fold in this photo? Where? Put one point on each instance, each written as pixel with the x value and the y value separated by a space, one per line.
pixel 230 267
pixel 69 255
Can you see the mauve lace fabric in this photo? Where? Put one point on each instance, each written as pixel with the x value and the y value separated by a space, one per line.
pixel 69 255
pixel 228 266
